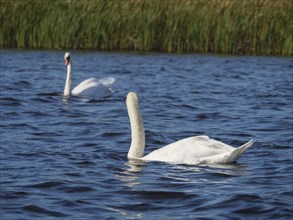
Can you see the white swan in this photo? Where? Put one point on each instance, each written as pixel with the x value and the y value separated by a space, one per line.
pixel 90 87
pixel 192 150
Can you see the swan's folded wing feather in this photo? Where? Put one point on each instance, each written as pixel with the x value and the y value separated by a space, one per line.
pixel 107 81
pixel 177 150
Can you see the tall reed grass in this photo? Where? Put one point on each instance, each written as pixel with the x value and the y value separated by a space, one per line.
pixel 219 26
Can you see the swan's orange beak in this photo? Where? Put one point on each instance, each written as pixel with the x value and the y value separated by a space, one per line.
pixel 66 61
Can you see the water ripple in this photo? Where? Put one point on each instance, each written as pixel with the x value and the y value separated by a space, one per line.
pixel 39 210
pixel 67 157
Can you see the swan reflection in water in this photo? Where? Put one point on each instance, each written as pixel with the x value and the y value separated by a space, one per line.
pixel 137 172
pixel 130 175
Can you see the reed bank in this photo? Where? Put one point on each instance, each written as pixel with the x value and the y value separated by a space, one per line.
pixel 261 27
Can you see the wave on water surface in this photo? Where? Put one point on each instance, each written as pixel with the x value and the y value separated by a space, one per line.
pixel 67 158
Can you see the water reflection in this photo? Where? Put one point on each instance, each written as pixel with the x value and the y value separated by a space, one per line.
pixel 134 165
pixel 134 171
pixel 225 170
pixel 130 175
pixel 66 100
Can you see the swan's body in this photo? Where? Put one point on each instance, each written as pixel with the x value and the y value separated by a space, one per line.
pixel 192 150
pixel 90 87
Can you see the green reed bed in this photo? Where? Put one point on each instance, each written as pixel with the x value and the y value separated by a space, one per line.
pixel 219 26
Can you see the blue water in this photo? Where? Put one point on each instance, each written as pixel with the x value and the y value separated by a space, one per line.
pixel 67 158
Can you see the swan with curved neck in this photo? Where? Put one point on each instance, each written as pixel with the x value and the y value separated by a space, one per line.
pixel 192 150
pixel 91 87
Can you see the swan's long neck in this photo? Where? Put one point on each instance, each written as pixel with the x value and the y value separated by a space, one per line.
pixel 137 129
pixel 68 81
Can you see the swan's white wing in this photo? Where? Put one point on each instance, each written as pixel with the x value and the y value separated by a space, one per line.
pixel 107 81
pixel 91 88
pixel 91 82
pixel 189 150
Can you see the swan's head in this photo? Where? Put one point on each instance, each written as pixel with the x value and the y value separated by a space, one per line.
pixel 67 58
pixel 132 99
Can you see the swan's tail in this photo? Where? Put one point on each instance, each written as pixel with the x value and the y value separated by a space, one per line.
pixel 229 157
pixel 235 154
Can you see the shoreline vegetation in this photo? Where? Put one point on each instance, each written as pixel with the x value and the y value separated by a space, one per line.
pixel 258 27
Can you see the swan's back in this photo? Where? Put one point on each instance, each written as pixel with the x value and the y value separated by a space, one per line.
pixel 93 87
pixel 194 150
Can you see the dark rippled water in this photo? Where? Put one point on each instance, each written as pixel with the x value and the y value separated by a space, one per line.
pixel 68 158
